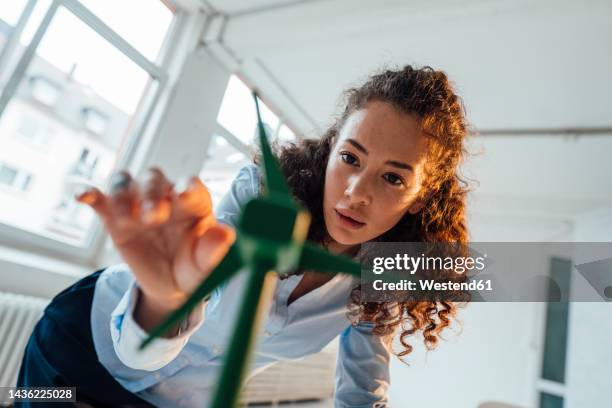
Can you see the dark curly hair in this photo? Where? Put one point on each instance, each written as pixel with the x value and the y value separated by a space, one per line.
pixel 427 94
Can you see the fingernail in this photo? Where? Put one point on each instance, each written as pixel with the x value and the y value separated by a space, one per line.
pixel 88 196
pixel 120 181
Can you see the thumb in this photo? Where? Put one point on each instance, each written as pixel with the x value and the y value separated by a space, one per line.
pixel 210 248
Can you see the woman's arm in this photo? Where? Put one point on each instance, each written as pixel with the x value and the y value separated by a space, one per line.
pixel 362 371
pixel 121 296
pixel 128 334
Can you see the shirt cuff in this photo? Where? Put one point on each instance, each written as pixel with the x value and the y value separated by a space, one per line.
pixel 127 335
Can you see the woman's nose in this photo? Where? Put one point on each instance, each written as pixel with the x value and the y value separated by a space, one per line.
pixel 357 191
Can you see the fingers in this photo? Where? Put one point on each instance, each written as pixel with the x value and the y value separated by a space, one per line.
pixel 153 202
pixel 95 199
pixel 211 247
pixel 188 200
pixel 198 257
pixel 120 206
pixel 124 207
pixel 157 198
pixel 192 200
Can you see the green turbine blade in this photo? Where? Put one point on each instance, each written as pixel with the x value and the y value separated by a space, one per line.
pixel 273 175
pixel 259 291
pixel 315 258
pixel 230 264
pixel 318 259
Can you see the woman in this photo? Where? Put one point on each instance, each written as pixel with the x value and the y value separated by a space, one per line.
pixel 386 170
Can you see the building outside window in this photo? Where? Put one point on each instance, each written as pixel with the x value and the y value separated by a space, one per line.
pixel 233 144
pixel 35 132
pixel 14 178
pixel 44 91
pixel 95 121
pixel 68 112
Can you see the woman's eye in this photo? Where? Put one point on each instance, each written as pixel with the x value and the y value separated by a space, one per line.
pixel 393 179
pixel 348 158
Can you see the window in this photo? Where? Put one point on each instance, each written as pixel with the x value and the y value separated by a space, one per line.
pixel 10 12
pixel 232 146
pixel 14 16
pixel 95 121
pixel 146 36
pixel 86 164
pixel 5 31
pixel 552 382
pixel 222 163
pixel 9 16
pixel 238 116
pixel 92 75
pixel 8 175
pixel 285 134
pixel 44 91
pixel 550 401
pixel 14 178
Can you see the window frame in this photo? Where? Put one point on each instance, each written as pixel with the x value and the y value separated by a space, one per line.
pixel 246 149
pixel 235 141
pixel 87 253
pixel 546 386
pixel 13 38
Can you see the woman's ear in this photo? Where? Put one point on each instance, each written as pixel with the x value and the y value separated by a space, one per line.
pixel 416 207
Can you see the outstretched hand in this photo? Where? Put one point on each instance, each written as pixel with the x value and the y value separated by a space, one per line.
pixel 167 234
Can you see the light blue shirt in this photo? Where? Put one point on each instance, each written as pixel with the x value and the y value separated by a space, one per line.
pixel 182 371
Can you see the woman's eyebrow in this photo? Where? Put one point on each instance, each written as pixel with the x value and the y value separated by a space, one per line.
pixel 399 165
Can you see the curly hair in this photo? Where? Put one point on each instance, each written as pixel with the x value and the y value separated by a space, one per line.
pixel 427 94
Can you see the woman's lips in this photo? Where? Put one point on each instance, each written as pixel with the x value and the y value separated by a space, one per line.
pixel 348 221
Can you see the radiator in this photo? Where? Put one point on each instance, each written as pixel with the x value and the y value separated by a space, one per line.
pixel 18 316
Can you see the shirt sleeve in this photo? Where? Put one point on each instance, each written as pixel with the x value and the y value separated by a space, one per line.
pixel 362 370
pixel 127 335
pixel 245 186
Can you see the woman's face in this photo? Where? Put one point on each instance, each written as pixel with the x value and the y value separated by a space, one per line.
pixel 374 173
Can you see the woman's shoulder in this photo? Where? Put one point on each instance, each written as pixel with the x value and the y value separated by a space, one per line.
pixel 248 180
pixel 244 187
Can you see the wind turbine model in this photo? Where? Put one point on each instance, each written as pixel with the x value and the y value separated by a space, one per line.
pixel 270 240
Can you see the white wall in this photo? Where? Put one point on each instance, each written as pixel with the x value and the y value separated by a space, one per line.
pixel 496 356
pixel 590 327
pixel 492 359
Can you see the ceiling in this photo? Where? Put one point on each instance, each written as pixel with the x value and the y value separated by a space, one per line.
pixel 521 66
pixel 242 7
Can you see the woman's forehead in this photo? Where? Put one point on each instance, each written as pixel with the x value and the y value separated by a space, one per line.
pixel 384 131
